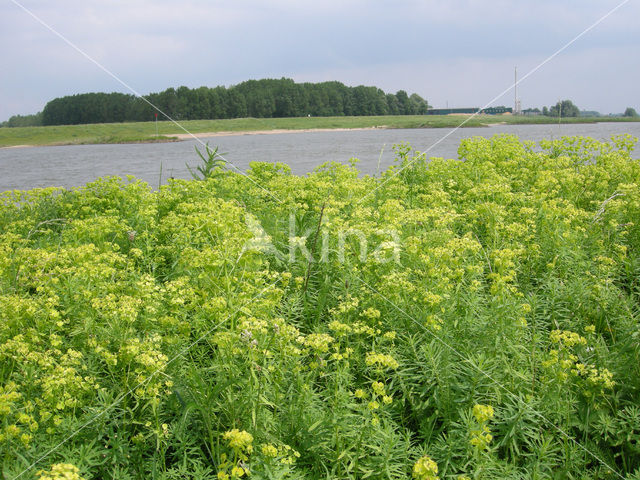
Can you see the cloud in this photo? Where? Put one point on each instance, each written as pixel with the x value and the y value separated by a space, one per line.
pixel 428 46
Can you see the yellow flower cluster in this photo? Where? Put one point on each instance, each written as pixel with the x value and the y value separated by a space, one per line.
pixel 60 471
pixel 285 454
pixel 239 440
pixel 425 469
pixel 483 413
pixel 564 363
pixel 145 363
pixel 381 360
pixel 356 328
pixel 599 379
pixel 481 434
pixel 566 338
pixel 318 342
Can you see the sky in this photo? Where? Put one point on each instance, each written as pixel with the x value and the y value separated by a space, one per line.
pixel 456 53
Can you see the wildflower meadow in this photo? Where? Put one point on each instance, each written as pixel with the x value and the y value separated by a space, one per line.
pixel 445 319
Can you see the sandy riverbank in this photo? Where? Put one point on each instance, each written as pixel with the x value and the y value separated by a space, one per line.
pixel 186 136
pixel 172 137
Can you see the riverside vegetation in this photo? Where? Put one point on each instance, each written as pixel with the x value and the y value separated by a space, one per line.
pixel 228 327
pixel 134 132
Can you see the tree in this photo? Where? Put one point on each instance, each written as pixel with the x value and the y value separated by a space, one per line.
pixel 630 112
pixel 405 106
pixel 565 108
pixel 545 111
pixel 34 120
pixel 264 98
pixel 420 105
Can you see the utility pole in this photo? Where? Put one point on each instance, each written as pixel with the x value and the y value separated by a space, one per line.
pixel 515 91
pixel 516 102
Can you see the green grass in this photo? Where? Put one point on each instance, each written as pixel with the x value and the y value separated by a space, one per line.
pixel 146 131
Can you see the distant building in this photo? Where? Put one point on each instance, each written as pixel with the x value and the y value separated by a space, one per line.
pixel 497 110
pixel 470 111
pixel 452 111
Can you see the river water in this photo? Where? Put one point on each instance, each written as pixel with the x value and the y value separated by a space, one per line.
pixel 75 165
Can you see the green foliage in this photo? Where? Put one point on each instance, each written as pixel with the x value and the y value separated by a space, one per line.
pixel 87 108
pixel 267 98
pixel 212 162
pixel 630 112
pixel 564 108
pixel 24 121
pixel 171 334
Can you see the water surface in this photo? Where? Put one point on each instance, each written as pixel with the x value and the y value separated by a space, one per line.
pixel 75 165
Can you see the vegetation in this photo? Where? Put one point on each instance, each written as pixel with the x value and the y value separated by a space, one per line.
pixel 630 112
pixel 564 108
pixel 210 163
pixel 238 324
pixel 146 131
pixel 34 120
pixel 254 98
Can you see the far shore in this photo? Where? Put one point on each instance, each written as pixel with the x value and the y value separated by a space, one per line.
pixel 187 136
pixel 147 132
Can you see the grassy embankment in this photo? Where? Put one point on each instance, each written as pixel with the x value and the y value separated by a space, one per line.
pixel 146 131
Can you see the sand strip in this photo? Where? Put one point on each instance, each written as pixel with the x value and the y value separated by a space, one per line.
pixel 186 136
pixel 19 146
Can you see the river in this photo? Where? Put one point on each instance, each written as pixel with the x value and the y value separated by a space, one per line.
pixel 75 165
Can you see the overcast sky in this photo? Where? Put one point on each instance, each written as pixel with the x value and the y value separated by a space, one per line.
pixel 456 52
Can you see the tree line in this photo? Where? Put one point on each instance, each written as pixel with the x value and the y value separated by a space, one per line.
pixel 566 108
pixel 265 98
pixel 253 98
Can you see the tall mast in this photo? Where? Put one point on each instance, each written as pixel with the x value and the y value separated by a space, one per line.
pixel 515 91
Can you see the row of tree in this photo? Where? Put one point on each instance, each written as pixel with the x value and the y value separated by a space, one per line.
pixel 566 108
pixel 33 120
pixel 254 98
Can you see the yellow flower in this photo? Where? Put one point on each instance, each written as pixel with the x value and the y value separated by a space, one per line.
pixel 237 472
pixel 239 440
pixel 269 450
pixel 378 388
pixel 425 469
pixel 60 471
pixel 483 413
pixel 381 360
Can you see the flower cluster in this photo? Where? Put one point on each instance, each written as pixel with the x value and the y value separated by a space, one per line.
pixel 60 471
pixel 241 443
pixel 481 433
pixel 564 361
pixel 239 440
pixel 425 469
pixel 284 454
pixel 381 360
